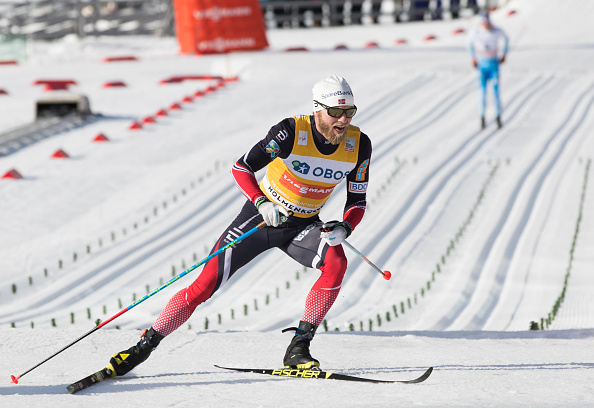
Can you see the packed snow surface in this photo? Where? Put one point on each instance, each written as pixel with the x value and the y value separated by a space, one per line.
pixel 484 232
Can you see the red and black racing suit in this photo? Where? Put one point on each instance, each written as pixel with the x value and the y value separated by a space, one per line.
pixel 298 237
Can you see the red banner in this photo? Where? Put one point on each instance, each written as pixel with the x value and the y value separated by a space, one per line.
pixel 218 26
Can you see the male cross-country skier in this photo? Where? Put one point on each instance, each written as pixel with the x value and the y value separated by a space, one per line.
pixel 483 46
pixel 306 158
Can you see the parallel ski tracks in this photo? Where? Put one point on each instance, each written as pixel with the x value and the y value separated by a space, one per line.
pixel 117 264
pixel 539 169
pixel 459 160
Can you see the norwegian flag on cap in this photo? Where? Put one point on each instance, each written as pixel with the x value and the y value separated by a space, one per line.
pixel 332 91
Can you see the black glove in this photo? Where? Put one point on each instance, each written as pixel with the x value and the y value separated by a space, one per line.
pixel 330 225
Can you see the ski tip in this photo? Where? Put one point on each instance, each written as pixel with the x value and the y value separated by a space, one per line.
pixel 427 373
pixel 15 379
pixel 420 379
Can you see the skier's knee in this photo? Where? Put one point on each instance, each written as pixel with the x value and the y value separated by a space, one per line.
pixel 199 291
pixel 335 264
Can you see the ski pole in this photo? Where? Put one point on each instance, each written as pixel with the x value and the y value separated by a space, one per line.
pixel 174 279
pixel 386 274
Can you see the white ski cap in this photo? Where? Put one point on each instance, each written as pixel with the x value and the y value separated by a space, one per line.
pixel 332 91
pixel 484 19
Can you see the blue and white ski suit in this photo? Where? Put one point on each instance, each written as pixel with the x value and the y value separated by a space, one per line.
pixel 483 46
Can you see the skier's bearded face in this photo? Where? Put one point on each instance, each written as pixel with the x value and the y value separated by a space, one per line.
pixel 333 129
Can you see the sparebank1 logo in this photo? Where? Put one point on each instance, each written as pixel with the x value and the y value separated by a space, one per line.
pixel 299 167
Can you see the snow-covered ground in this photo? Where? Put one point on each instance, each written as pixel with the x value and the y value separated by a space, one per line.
pixel 483 231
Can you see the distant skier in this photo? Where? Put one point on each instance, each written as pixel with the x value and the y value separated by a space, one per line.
pixel 483 46
pixel 305 158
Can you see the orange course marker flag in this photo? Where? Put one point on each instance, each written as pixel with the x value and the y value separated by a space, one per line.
pixel 219 26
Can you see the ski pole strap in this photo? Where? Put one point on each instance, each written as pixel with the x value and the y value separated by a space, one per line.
pixel 260 201
pixel 331 225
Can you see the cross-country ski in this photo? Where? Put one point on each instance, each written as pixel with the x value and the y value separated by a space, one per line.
pixel 324 375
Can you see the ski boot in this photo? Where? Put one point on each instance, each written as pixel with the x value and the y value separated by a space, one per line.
pixel 124 361
pixel 483 124
pixel 297 355
pixel 499 122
